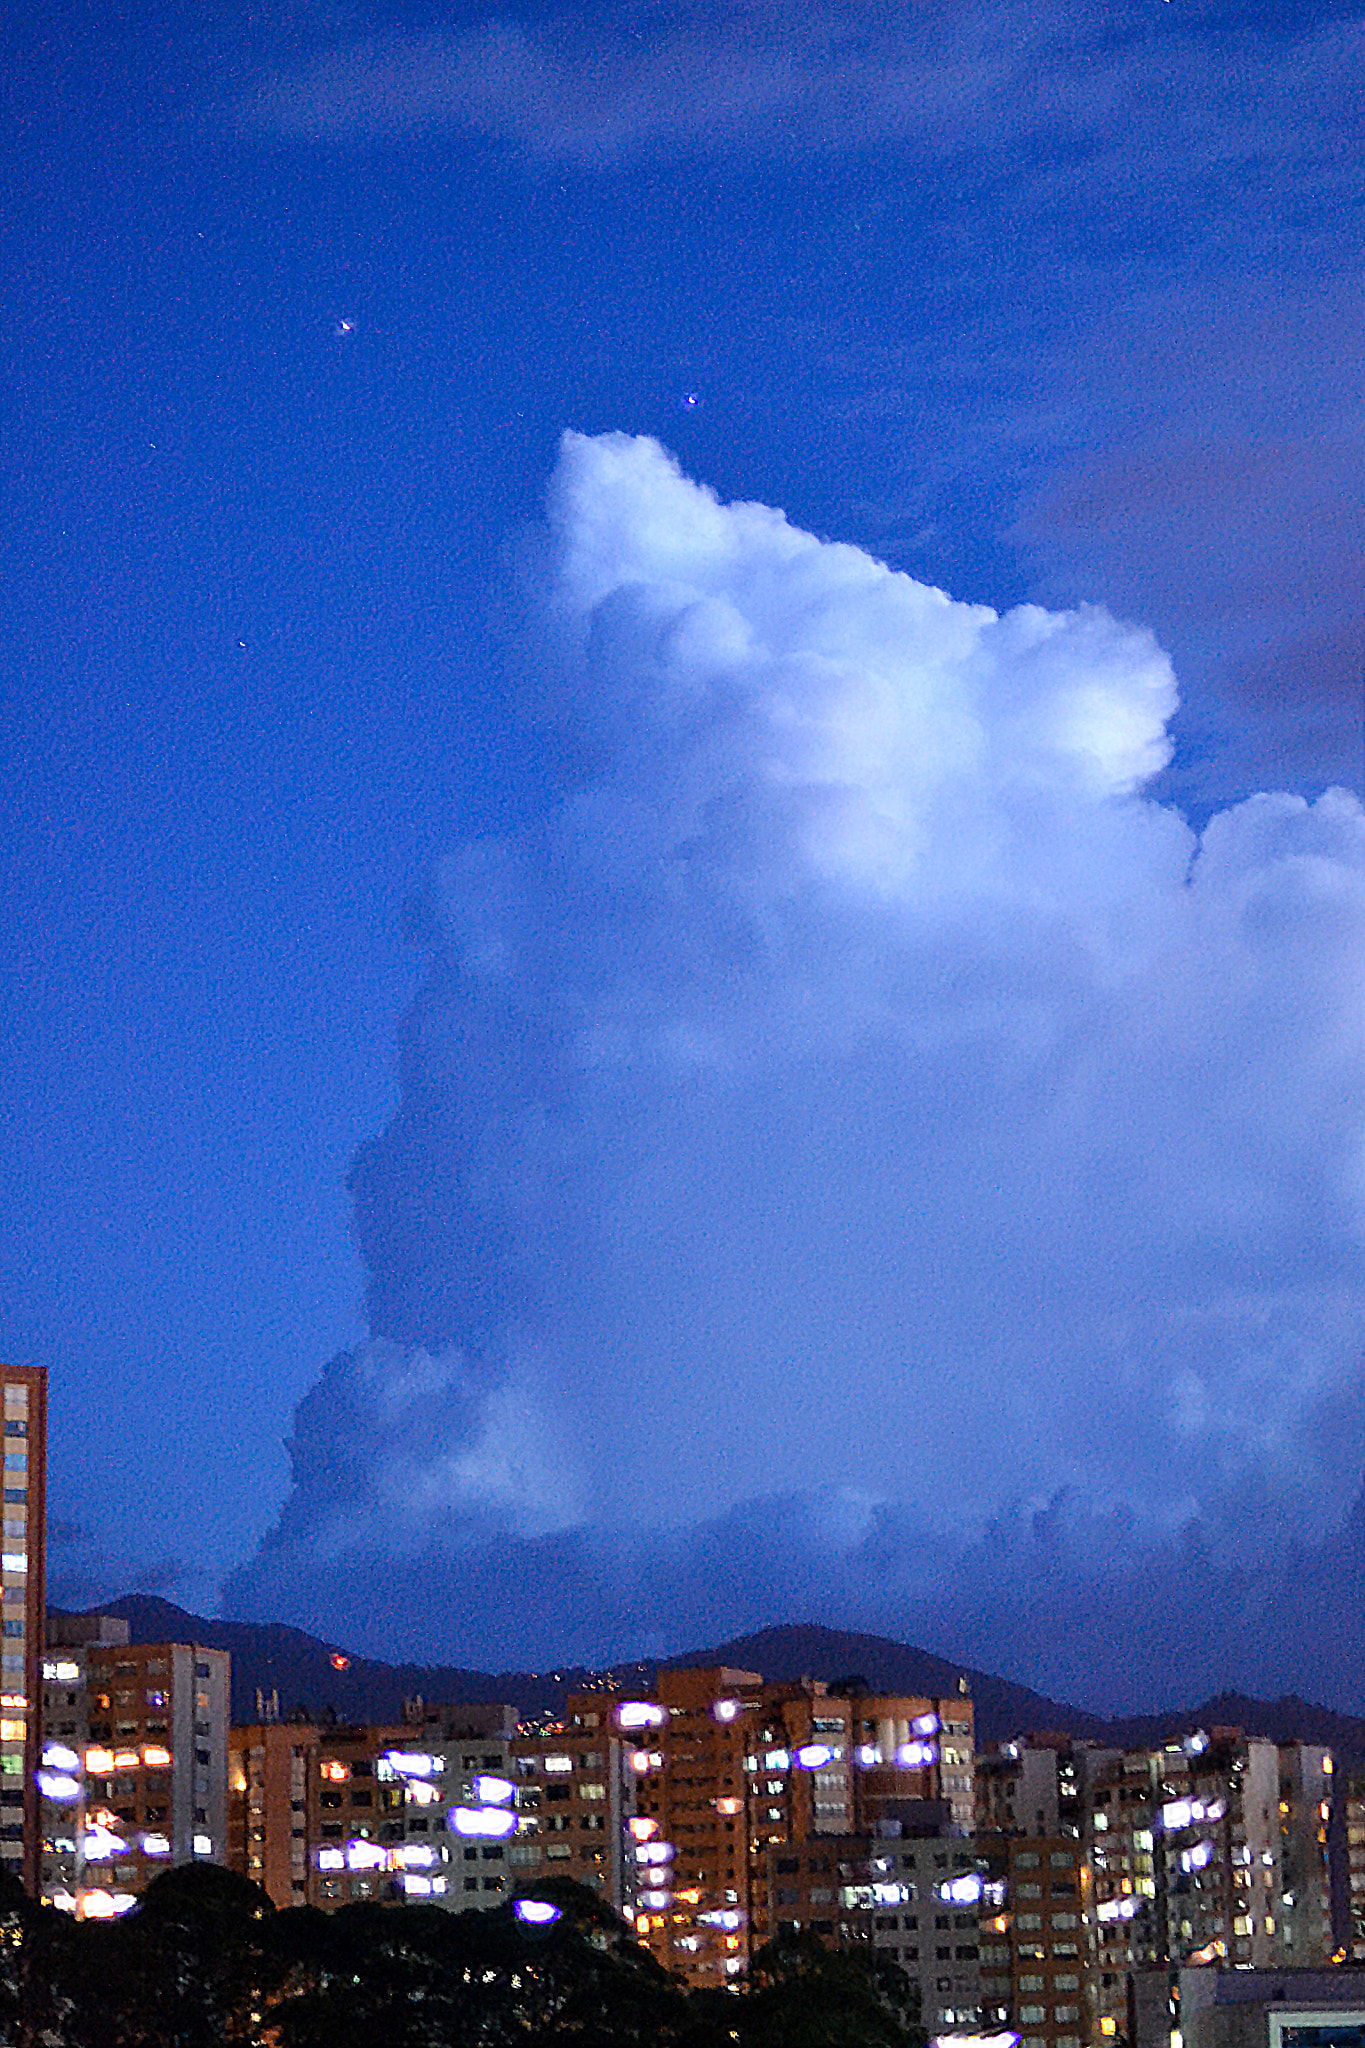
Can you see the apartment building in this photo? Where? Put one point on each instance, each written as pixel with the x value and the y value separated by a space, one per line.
pixel 1348 1864
pixel 1035 1921
pixel 23 1565
pixel 1307 1772
pixel 271 1766
pixel 576 1806
pixel 666 1807
pixel 912 1900
pixel 133 1777
pixel 454 1805
pixel 730 1769
pixel 1208 1849
pixel 1036 1787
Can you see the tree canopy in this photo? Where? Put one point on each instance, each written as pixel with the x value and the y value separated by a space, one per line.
pixel 204 1960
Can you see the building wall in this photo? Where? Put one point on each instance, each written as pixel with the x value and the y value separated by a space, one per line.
pixel 23 1575
pixel 925 1920
pixel 1036 1974
pixel 576 1799
pixel 146 1760
pixel 270 1768
pixel 1349 1864
pixel 1305 1911
pixel 733 1769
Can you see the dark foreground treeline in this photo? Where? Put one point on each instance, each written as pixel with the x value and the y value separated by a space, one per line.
pixel 205 1960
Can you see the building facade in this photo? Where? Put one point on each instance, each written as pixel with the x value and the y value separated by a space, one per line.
pixel 455 1805
pixel 1035 1940
pixel 731 1769
pixel 133 1776
pixel 23 1571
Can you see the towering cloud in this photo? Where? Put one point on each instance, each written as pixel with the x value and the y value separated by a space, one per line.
pixel 853 1117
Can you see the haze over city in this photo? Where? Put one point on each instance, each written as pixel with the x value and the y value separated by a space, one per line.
pixel 684 905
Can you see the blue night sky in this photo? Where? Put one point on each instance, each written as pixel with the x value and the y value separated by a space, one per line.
pixel 694 1079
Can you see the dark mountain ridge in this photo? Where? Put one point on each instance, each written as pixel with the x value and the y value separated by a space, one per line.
pixel 271 1657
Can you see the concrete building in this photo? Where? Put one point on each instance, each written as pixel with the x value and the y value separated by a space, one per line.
pixel 23 1569
pixel 1305 1909
pixel 1208 1849
pixel 667 1807
pixel 730 1769
pixel 1036 1974
pixel 912 1899
pixel 1207 2007
pixel 271 1766
pixel 454 1805
pixel 1347 1837
pixel 1036 1786
pixel 1185 1849
pixel 577 1813
pixel 134 1763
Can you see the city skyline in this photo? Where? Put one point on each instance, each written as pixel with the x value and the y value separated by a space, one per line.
pixel 686 881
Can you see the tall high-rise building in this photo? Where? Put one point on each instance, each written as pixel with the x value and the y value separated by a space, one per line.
pixel 730 1768
pixel 23 1567
pixel 134 1763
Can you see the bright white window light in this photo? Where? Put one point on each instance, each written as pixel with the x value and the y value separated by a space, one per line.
pixel 494 1791
pixel 558 1765
pixel 915 1756
pixel 536 1912
pixel 640 1714
pixel 417 1887
pixel 726 1710
pixel 57 1757
pixel 365 1855
pixel 962 1891
pixel 203 1845
pixel 101 1845
pixel 925 1724
pixel 813 1756
pixel 410 1763
pixel 156 1845
pixel 1001 2040
pixel 654 1852
pixel 331 1859
pixel 59 1785
pixel 1118 1909
pixel 492 1821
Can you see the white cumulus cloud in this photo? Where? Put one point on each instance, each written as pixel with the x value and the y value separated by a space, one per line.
pixel 854 1085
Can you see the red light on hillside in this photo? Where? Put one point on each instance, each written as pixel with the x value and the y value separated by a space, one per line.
pixel 338 1662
